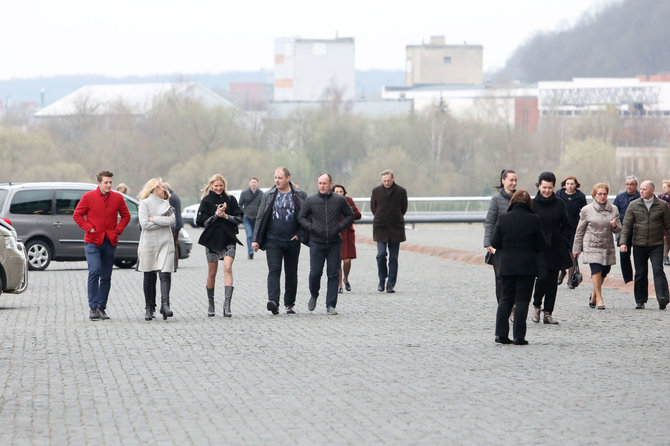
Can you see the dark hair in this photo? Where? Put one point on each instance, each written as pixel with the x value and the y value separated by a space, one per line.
pixel 549 177
pixel 503 175
pixel 573 178
pixel 254 178
pixel 339 185
pixel 103 173
pixel 287 174
pixel 521 196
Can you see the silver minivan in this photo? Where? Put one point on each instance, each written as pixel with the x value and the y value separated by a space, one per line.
pixel 42 212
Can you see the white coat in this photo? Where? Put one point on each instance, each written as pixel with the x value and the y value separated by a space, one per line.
pixel 156 249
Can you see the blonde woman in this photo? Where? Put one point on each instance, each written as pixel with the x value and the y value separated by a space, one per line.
pixel 156 252
pixel 220 215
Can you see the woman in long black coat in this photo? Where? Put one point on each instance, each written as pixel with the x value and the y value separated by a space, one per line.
pixel 556 256
pixel 518 235
pixel 574 200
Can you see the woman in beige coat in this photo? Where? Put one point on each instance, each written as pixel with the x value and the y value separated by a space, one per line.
pixel 598 222
pixel 156 253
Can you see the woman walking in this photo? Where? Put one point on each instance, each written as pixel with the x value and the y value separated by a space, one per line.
pixel 574 200
pixel 518 235
pixel 348 240
pixel 156 251
pixel 220 215
pixel 556 256
pixel 498 206
pixel 594 237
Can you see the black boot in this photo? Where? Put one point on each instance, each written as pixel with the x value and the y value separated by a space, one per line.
pixel 149 286
pixel 210 297
pixel 165 295
pixel 226 303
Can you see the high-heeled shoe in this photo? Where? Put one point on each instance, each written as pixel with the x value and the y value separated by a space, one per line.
pixel 591 304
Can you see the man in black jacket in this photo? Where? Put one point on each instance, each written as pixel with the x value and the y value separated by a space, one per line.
pixel 250 201
pixel 320 216
pixel 278 233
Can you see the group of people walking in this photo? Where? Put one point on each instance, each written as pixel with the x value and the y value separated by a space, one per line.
pixel 278 221
pixel 533 244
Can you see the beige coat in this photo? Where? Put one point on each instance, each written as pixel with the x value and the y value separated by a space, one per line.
pixel 156 249
pixel 594 237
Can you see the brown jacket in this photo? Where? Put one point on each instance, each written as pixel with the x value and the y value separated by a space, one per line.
pixel 594 234
pixel 388 207
pixel 642 227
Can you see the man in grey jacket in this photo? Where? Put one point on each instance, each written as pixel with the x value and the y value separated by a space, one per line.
pixel 320 216
pixel 646 219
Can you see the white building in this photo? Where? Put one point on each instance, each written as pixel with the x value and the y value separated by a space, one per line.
pixel 305 68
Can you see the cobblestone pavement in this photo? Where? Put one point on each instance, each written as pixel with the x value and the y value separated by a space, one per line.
pixel 415 367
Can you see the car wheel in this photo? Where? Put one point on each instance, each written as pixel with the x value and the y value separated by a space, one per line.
pixel 125 263
pixel 39 254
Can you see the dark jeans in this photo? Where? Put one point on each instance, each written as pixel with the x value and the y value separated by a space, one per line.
pixel 546 287
pixel 641 255
pixel 100 263
pixel 392 271
pixel 331 254
pixel 249 224
pixel 626 267
pixel 516 290
pixel 275 253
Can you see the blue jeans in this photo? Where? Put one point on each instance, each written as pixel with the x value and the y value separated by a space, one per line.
pixel 392 270
pixel 249 224
pixel 100 262
pixel 289 252
pixel 331 255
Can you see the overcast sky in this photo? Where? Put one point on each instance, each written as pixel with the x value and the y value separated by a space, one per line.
pixel 141 37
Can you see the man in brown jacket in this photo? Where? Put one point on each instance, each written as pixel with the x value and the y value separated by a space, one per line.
pixel 643 226
pixel 388 204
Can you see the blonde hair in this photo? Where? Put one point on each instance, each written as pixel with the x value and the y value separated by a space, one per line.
pixel 150 186
pixel 666 183
pixel 123 188
pixel 214 178
pixel 599 186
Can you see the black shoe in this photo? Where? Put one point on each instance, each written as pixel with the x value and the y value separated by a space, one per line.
pixel 639 306
pixel 290 310
pixel 103 315
pixel 520 342
pixel 380 287
pixel 148 315
pixel 311 305
pixel 503 340
pixel 591 304
pixel 272 306
pixel 389 289
pixel 94 315
pixel 601 307
pixel 347 286
pixel 251 256
pixel 662 304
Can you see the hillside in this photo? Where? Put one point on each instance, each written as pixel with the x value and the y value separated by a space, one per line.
pixel 625 39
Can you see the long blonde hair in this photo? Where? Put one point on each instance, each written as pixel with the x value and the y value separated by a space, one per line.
pixel 150 186
pixel 214 178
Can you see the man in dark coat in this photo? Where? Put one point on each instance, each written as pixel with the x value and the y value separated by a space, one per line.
pixel 621 202
pixel 388 204
pixel 250 201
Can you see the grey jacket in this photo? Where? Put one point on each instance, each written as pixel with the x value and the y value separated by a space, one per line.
pixel 642 227
pixel 497 206
pixel 594 236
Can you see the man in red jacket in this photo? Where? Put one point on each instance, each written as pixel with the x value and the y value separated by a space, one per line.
pixel 97 214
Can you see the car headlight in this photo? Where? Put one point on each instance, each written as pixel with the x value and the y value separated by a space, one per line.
pixel 10 242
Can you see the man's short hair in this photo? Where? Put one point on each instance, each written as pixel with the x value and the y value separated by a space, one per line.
pixel 651 184
pixel 330 178
pixel 632 177
pixel 253 178
pixel 287 174
pixel 103 173
pixel 387 172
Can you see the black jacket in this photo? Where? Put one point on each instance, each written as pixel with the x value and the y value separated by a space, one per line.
pixel 250 202
pixel 573 205
pixel 320 216
pixel 265 214
pixel 557 230
pixel 219 232
pixel 517 238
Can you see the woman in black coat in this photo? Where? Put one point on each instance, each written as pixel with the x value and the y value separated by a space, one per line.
pixel 556 256
pixel 518 235
pixel 220 215
pixel 574 200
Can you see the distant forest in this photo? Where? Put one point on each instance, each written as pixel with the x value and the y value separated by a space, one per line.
pixel 625 39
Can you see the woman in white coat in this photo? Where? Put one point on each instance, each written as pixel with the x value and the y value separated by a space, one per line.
pixel 156 253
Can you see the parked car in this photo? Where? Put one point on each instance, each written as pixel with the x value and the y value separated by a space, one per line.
pixel 189 213
pixel 13 266
pixel 42 212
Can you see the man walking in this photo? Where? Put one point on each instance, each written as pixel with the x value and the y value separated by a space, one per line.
pixel 388 204
pixel 97 214
pixel 278 233
pixel 319 216
pixel 250 201
pixel 646 220
pixel 621 202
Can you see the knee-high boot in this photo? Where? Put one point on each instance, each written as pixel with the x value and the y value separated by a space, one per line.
pixel 210 297
pixel 149 286
pixel 166 280
pixel 226 302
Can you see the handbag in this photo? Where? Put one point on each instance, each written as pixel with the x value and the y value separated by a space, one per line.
pixel 576 277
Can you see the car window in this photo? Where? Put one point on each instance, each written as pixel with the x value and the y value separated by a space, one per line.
pixel 132 208
pixel 67 200
pixel 34 202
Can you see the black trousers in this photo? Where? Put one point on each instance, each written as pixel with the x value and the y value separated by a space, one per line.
pixel 275 253
pixel 626 267
pixel 641 256
pixel 516 290
pixel 496 273
pixel 546 287
pixel 320 253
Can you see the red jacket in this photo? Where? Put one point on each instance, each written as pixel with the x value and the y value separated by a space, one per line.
pixel 101 212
